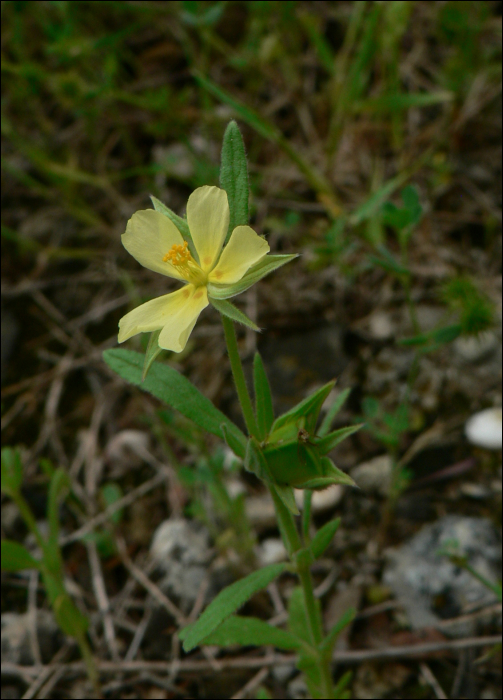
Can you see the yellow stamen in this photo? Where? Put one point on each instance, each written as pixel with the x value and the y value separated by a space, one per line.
pixel 178 255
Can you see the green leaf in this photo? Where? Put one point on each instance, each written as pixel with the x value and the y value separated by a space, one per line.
pixel 234 176
pixel 410 198
pixel 268 264
pixel 12 471
pixel 173 388
pixel 323 537
pixel 309 408
pixel 342 684
pixel 328 442
pixel 153 350
pixel 251 631
pixel 181 224
pixel 255 461
pixel 227 602
pixel 297 620
pixel 59 487
pixel 332 412
pixel 263 397
pixel 232 441
pixel 434 338
pixel 286 494
pixel 328 643
pixel 231 311
pixel 16 557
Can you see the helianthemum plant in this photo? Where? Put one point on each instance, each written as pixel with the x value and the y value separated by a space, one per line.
pixel 215 254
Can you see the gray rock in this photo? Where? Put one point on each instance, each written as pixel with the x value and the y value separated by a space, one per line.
pixel 432 588
pixel 181 549
pixel 374 476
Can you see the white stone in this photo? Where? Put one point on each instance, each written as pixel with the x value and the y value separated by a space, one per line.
pixel 484 429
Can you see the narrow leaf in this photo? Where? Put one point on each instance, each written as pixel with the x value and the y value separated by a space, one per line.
pixel 328 643
pixel 227 602
pixel 263 397
pixel 335 474
pixel 286 494
pixel 153 350
pixel 173 388
pixel 231 311
pixel 268 264
pixel 323 537
pixel 234 176
pixel 16 557
pixel 59 487
pixel 12 470
pixel 232 441
pixel 181 224
pixel 332 439
pixel 251 631
pixel 334 409
pixel 342 684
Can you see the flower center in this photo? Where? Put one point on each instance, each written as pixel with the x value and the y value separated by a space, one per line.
pixel 179 256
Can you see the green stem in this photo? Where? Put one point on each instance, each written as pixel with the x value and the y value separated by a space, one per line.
pixel 285 519
pixel 239 377
pixel 293 544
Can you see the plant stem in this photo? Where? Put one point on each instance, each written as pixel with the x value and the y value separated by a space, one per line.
pixel 313 616
pixel 285 519
pixel 239 377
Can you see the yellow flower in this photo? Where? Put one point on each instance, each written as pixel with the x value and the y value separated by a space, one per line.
pixel 156 243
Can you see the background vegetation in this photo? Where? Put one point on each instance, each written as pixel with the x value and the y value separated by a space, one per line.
pixel 351 112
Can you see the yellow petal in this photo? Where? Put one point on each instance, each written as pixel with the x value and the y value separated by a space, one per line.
pixel 208 220
pixel 179 325
pixel 149 237
pixel 244 249
pixel 154 314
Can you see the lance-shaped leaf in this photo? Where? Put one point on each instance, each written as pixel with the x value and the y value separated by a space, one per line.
pixel 227 602
pixel 12 471
pixel 231 311
pixel 323 537
pixel 263 397
pixel 16 557
pixel 328 643
pixel 173 388
pixel 327 443
pixel 268 264
pixel 234 176
pixel 251 631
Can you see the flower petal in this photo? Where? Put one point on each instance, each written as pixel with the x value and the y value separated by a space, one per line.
pixel 208 220
pixel 154 314
pixel 244 249
pixel 179 326
pixel 149 236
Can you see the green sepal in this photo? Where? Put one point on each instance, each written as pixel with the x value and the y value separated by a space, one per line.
pixel 332 412
pixel 287 496
pixel 181 224
pixel 327 443
pixel 263 398
pixel 153 350
pixel 268 264
pixel 232 312
pixel 234 176
pixel 309 408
